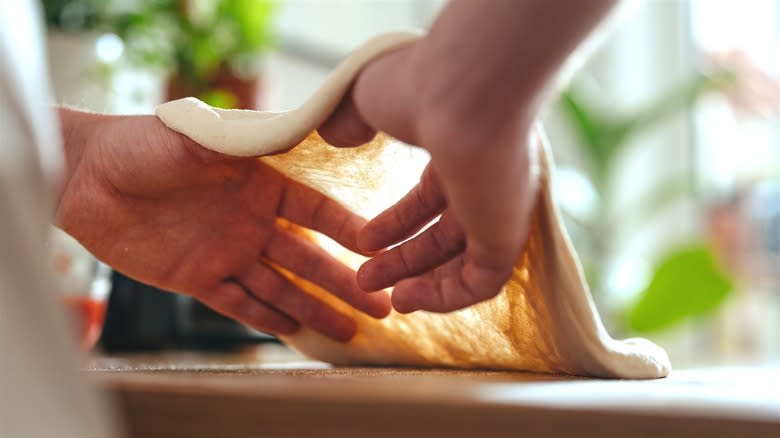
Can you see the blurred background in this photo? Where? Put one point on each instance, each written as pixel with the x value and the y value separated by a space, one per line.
pixel 667 140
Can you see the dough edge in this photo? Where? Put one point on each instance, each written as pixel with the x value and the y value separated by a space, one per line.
pixel 258 133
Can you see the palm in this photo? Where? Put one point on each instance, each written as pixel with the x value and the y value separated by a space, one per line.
pixel 440 269
pixel 183 218
pixel 482 181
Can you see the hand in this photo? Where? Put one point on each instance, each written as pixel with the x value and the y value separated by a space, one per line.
pixel 481 183
pixel 445 267
pixel 468 92
pixel 160 208
pixel 448 266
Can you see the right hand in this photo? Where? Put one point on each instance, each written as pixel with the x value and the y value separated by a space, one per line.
pixel 481 181
pixel 468 93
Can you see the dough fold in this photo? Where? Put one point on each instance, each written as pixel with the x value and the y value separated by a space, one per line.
pixel 544 319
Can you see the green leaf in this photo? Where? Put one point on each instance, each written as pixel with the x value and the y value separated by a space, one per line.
pixel 219 98
pixel 603 136
pixel 599 136
pixel 197 38
pixel 584 122
pixel 689 282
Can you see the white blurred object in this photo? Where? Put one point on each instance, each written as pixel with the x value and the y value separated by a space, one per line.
pixel 109 48
pixel 576 193
pixel 77 271
pixel 79 76
pixel 41 391
pixel 625 276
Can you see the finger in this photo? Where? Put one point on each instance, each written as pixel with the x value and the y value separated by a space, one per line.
pixel 416 209
pixel 304 258
pixel 439 243
pixel 231 300
pixel 272 288
pixel 459 283
pixel 309 208
pixel 345 127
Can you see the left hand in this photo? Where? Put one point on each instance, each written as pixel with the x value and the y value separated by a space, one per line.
pixel 160 208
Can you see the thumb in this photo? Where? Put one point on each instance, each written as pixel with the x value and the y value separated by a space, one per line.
pixel 382 97
pixel 345 127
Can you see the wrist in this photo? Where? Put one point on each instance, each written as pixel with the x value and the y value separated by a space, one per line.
pixel 470 101
pixel 499 75
pixel 77 130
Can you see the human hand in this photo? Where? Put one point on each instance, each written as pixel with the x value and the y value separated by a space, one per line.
pixel 481 184
pixel 450 266
pixel 158 207
pixel 468 93
pixel 482 199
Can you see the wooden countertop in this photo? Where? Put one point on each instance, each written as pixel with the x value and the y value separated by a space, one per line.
pixel 275 393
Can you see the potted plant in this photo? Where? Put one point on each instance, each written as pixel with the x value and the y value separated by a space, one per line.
pixel 211 50
pixel 80 52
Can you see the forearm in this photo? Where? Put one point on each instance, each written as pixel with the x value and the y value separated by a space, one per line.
pixel 502 51
pixel 468 93
pixel 482 65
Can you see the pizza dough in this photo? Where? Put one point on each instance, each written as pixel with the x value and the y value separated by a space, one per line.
pixel 544 320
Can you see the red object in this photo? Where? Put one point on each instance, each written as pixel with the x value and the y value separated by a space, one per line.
pixel 88 314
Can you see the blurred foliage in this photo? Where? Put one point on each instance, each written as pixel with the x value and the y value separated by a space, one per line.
pixel 687 282
pixel 76 15
pixel 190 40
pixel 604 136
pixel 219 98
pixel 194 39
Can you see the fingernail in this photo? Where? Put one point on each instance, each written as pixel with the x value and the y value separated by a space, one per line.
pixel 363 276
pixel 402 305
pixel 370 278
pixel 382 304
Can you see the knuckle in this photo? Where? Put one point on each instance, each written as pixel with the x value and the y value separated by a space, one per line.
pixel 405 258
pixel 439 238
pixel 228 300
pixel 344 231
pixel 318 211
pixel 401 218
pixel 268 285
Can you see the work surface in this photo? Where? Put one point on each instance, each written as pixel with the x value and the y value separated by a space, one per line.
pixel 270 393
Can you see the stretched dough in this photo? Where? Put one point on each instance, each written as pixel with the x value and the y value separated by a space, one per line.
pixel 544 319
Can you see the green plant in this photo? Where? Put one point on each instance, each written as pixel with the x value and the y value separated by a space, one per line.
pixel 687 282
pixel 195 40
